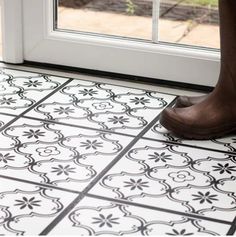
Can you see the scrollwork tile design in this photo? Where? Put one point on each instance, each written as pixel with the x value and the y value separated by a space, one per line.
pixel 4 119
pixel 20 90
pixel 96 217
pixel 74 161
pixel 227 143
pixel 103 106
pixel 27 209
pixel 56 154
pixel 195 181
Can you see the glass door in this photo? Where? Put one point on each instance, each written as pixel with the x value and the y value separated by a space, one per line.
pixel 175 40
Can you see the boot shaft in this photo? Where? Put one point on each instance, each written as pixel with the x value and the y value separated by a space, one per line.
pixel 227 12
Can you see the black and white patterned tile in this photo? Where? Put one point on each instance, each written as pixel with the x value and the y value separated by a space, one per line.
pixel 103 106
pixel 226 144
pixel 99 217
pixel 174 177
pixel 58 155
pixel 27 209
pixel 4 119
pixel 20 90
pixel 79 141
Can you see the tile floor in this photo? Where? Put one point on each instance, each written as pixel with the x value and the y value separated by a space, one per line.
pixel 80 157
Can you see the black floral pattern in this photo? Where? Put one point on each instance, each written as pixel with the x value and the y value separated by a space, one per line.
pixel 102 105
pixel 5 158
pixel 150 186
pixel 141 101
pixel 159 157
pixel 205 197
pixel 120 120
pixel 182 232
pixel 7 101
pixel 32 83
pixel 224 168
pixel 28 203
pixel 91 144
pixel 34 133
pixel 103 221
pixel 64 110
pixel 89 92
pixel 48 151
pixel 136 184
pixel 66 170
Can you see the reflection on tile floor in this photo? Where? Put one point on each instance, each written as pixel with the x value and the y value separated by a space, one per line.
pixel 86 158
pixel 102 106
pixel 226 144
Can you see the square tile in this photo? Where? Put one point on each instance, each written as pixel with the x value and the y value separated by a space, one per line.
pixel 99 217
pixel 19 90
pixel 161 185
pixel 227 143
pixel 27 209
pixel 174 177
pixel 58 155
pixel 103 106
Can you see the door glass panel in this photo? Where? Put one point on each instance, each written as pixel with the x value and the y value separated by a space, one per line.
pixel 183 22
pixel 126 18
pixel 191 22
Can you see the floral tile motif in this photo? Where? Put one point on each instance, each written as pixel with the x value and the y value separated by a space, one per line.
pixel 19 90
pixel 103 106
pixel 99 217
pixel 174 177
pixel 55 154
pixel 23 206
pixel 75 133
pixel 4 119
pixel 227 143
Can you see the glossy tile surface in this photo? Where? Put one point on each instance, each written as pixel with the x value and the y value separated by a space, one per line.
pixel 96 217
pixel 56 154
pixel 83 157
pixel 178 178
pixel 227 143
pixel 27 209
pixel 20 90
pixel 102 106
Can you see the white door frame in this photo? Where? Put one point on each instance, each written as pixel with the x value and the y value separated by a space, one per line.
pixel 12 31
pixel 42 44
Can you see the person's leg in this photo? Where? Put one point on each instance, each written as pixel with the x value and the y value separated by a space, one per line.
pixel 216 115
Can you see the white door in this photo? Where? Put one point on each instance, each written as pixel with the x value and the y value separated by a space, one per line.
pixel 32 29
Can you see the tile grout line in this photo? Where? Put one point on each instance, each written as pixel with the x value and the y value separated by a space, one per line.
pixel 123 152
pixel 7 114
pixel 232 228
pixel 33 106
pixel 187 145
pixel 75 202
pixel 195 216
pixel 118 157
pixel 79 126
pixel 83 74
pixel 61 215
pixel 80 197
pixel 39 184
pixel 122 134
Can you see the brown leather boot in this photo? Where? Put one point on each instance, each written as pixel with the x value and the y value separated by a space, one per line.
pixel 187 101
pixel 216 115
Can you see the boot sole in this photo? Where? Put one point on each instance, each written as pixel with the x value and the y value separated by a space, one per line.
pixel 181 130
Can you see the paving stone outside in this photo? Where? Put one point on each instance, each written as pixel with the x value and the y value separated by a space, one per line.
pixel 138 27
